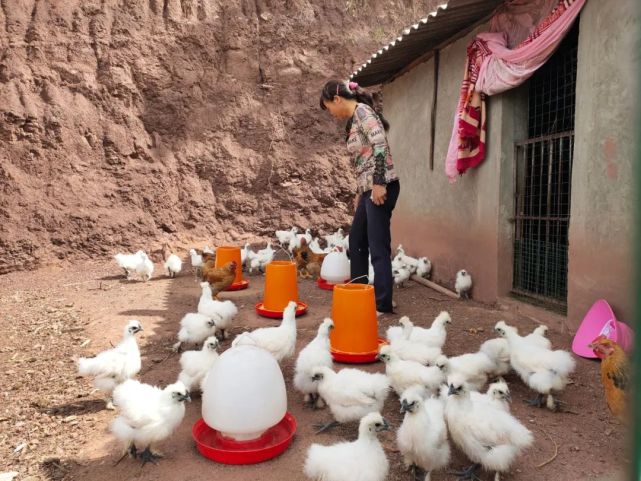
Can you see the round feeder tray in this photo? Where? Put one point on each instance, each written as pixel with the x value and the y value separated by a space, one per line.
pixel 238 286
pixel 323 284
pixel 221 449
pixel 357 358
pixel 260 309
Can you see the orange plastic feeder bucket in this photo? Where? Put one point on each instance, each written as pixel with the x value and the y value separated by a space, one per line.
pixel 281 286
pixel 226 254
pixel 354 338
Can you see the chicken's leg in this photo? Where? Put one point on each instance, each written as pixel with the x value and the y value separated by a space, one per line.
pixel 468 474
pixel 538 401
pixel 148 457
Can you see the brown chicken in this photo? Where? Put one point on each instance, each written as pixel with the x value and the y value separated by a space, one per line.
pixel 219 278
pixel 307 262
pixel 616 374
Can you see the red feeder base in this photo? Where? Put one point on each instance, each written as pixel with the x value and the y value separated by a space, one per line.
pixel 260 309
pixel 221 449
pixel 323 284
pixel 357 358
pixel 238 286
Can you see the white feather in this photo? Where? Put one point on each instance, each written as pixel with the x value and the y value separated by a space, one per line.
pixel 404 374
pixel 196 364
pixel 316 353
pixel 173 265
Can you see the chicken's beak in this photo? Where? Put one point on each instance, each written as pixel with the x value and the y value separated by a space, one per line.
pixel 185 397
pixel 384 427
pixel 404 406
pixel 507 397
pixel 451 390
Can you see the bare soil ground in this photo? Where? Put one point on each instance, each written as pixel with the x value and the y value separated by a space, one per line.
pixel 51 427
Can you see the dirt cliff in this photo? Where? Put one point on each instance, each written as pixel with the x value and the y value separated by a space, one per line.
pixel 130 124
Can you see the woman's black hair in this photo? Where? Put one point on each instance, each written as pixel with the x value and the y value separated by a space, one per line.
pixel 333 88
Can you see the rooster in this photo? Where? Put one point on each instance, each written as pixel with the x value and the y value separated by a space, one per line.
pixel 615 374
pixel 219 278
pixel 307 262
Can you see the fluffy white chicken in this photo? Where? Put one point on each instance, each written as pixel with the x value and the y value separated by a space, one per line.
pixel 299 239
pixel 537 336
pixel 285 236
pixel 498 393
pixel 463 284
pixel 173 265
pixel 488 435
pixel 360 460
pixel 542 369
pixel 422 437
pixel 208 250
pixel 316 353
pixel 223 312
pixel 411 350
pixel 261 258
pixel 245 255
pixel 315 246
pixel 350 393
pixel 403 374
pixel 335 239
pixel 128 262
pixel 195 328
pixel 435 336
pixel 473 368
pixel 145 269
pixel 195 258
pixel 148 415
pixel 401 276
pixel 196 364
pixel 498 351
pixel 114 366
pixel 424 267
pixel 279 341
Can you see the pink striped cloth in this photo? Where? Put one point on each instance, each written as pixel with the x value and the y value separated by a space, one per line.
pixel 491 68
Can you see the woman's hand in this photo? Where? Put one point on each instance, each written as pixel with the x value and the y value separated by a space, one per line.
pixel 379 194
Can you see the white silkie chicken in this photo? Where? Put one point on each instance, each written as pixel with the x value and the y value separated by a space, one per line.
pixel 114 366
pixel 491 437
pixel 316 353
pixel 401 276
pixel 148 415
pixel 424 267
pixel 350 393
pixel 279 341
pixel 208 250
pixel 403 374
pixel 173 265
pixel 285 236
pixel 435 336
pixel 422 437
pixel 262 258
pixel 411 350
pixel 128 262
pixel 537 336
pixel 196 364
pixel 473 368
pixel 245 255
pixel 498 393
pixel 315 246
pixel 397 263
pixel 195 328
pixel 463 284
pixel 360 460
pixel 223 312
pixel 335 239
pixel 498 351
pixel 408 261
pixel 542 369
pixel 145 268
pixel 195 258
pixel 299 238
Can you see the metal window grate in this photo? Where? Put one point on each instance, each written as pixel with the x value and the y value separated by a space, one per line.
pixel 543 178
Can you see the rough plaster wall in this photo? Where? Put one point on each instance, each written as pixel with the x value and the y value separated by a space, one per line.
pixel 453 224
pixel 601 224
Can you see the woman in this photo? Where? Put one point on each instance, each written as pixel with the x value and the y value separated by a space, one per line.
pixel 378 185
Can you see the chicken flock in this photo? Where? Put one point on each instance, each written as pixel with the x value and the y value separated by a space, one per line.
pixel 445 399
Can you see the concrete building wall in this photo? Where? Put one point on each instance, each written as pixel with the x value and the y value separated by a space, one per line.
pixel 468 224
pixel 460 225
pixel 601 224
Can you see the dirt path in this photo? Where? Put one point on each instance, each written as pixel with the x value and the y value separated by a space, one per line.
pixel 50 316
